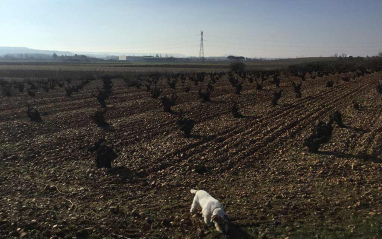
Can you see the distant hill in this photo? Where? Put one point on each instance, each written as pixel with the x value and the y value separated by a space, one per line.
pixel 104 55
pixel 25 50
pixel 108 54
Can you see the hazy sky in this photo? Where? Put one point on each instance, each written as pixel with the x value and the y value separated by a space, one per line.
pixel 256 28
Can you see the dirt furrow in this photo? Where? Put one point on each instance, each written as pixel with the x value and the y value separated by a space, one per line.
pixel 270 136
pixel 266 120
pixel 280 129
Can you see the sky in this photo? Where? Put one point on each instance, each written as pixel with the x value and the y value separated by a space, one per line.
pixel 250 28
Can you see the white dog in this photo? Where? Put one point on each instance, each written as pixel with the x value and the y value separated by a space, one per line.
pixel 212 210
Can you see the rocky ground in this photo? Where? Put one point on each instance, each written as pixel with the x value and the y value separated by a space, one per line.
pixel 256 166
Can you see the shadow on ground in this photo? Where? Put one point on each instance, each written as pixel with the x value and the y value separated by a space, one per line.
pixel 365 157
pixel 237 233
pixel 124 174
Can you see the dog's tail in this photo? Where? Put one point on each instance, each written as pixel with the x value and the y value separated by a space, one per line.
pixel 193 191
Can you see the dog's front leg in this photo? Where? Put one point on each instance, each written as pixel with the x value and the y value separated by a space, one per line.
pixel 207 218
pixel 194 205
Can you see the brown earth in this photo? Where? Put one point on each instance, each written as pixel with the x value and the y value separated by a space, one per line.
pixel 256 166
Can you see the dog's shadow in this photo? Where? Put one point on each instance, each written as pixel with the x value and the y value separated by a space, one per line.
pixel 236 232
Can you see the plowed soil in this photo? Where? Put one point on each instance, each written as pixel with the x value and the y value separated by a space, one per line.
pixel 256 166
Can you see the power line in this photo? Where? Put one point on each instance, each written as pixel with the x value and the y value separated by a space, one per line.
pixel 151 46
pixel 171 48
pixel 142 42
pixel 287 46
pixel 301 50
pixel 324 43
pixel 159 40
pixel 239 43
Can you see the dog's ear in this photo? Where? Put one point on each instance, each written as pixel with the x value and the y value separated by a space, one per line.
pixel 215 218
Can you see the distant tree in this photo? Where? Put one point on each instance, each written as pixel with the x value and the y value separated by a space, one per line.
pixel 380 54
pixel 335 55
pixel 55 56
pixel 236 58
pixel 237 67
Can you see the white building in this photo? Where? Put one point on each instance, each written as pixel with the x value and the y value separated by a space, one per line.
pixel 122 58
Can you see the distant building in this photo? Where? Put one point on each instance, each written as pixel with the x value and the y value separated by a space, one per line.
pixel 122 58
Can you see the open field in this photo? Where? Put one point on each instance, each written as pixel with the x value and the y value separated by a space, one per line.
pixel 256 166
pixel 150 67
